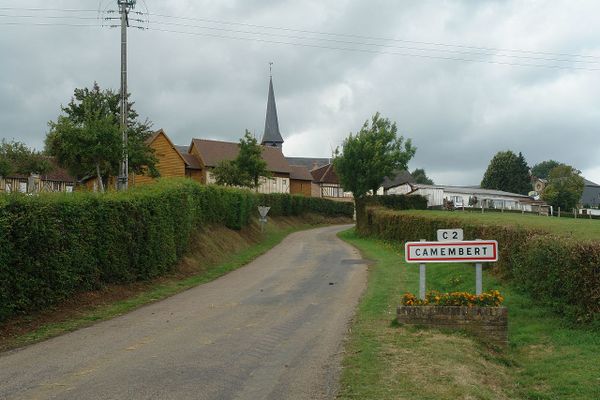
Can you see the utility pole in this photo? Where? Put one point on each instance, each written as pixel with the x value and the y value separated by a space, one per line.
pixel 124 7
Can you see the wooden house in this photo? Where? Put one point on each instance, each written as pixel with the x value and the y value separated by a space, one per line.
pixel 56 180
pixel 210 153
pixel 328 184
pixel 171 163
pixel 300 180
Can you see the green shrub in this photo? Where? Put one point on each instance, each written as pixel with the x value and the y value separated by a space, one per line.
pixel 561 272
pixel 54 245
pixel 400 202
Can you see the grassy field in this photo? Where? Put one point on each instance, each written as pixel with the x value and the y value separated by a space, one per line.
pixel 216 251
pixel 580 228
pixel 545 359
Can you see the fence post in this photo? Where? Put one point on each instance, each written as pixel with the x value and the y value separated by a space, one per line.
pixel 422 284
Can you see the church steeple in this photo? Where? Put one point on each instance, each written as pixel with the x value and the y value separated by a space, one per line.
pixel 271 136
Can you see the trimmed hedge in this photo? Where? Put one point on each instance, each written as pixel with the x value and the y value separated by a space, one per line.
pixel 54 245
pixel 400 201
pixel 284 204
pixel 558 271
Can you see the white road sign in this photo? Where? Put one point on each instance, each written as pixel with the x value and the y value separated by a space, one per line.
pixel 451 252
pixel 445 235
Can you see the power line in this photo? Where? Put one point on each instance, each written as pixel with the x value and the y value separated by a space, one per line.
pixel 324 33
pixel 372 37
pixel 377 51
pixel 302 41
pixel 376 44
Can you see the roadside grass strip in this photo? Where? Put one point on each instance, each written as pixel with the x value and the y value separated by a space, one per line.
pixel 546 359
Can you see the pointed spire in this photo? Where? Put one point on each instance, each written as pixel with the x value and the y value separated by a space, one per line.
pixel 271 136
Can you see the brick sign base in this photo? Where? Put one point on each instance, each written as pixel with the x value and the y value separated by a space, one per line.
pixel 487 323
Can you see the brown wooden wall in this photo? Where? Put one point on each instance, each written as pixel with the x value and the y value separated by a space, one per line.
pixel 195 174
pixel 300 187
pixel 170 164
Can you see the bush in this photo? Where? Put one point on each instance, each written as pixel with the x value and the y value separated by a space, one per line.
pixel 561 272
pixel 400 202
pixel 54 245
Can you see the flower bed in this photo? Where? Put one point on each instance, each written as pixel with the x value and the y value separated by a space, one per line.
pixel 486 299
pixel 480 315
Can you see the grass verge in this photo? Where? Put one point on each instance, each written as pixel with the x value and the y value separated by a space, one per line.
pixel 545 359
pixel 214 252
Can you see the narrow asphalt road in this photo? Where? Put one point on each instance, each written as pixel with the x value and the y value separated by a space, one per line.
pixel 270 330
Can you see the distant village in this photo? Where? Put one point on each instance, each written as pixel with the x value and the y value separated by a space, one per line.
pixel 306 176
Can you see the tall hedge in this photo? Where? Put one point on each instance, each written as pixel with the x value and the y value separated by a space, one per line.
pixel 558 271
pixel 54 245
pixel 400 201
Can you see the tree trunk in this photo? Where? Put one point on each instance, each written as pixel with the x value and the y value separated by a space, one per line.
pixel 100 183
pixel 360 207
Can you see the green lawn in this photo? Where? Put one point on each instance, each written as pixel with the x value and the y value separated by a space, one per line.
pixel 545 359
pixel 578 228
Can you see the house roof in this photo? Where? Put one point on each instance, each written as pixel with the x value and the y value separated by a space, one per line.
pixel 309 162
pixel 271 134
pixel 401 178
pixel 468 190
pixel 56 173
pixel 589 183
pixel 191 161
pixel 325 174
pixel 213 151
pixel 300 172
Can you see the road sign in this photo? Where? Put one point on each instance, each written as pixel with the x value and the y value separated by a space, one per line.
pixel 451 252
pixel 445 235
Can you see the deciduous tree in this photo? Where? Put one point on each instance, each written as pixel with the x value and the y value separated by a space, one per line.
pixel 17 158
pixel 564 188
pixel 508 172
pixel 86 138
pixel 368 156
pixel 542 170
pixel 421 177
pixel 246 169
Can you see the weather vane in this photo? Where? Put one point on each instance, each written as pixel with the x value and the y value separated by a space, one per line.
pixel 271 69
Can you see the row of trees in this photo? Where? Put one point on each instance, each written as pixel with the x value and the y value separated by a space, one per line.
pixel 17 158
pixel 509 172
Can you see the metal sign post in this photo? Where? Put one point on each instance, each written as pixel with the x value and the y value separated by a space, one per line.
pixel 422 278
pixel 449 250
pixel 263 211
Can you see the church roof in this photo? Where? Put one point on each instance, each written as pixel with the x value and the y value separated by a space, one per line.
pixel 271 134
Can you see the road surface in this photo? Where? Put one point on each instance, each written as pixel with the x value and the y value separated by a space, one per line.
pixel 273 329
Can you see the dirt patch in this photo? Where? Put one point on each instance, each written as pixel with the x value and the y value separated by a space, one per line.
pixel 210 246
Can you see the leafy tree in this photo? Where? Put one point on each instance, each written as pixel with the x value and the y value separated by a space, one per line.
pixel 17 158
pixel 226 173
pixel 421 177
pixel 246 169
pixel 564 188
pixel 86 138
pixel 542 170
pixel 250 162
pixel 368 156
pixel 507 172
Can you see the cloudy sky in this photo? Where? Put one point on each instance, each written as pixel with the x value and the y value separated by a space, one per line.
pixel 462 79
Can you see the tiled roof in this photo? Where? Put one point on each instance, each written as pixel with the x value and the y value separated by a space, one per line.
pixel 325 174
pixel 213 151
pixel 57 174
pixel 309 162
pixel 300 172
pixel 401 178
pixel 191 161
